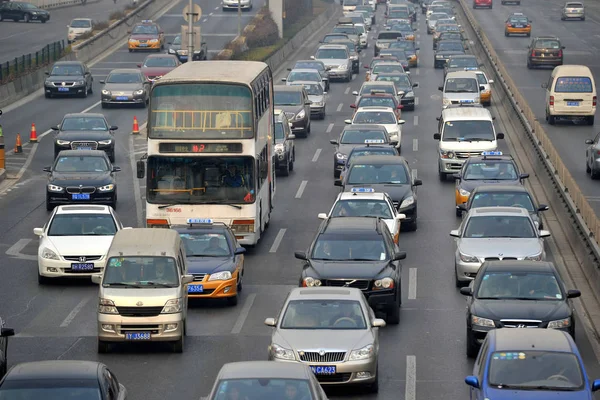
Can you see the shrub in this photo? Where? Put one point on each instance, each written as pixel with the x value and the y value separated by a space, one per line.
pixel 85 36
pixel 117 15
pixel 130 7
pixel 100 26
pixel 296 10
pixel 265 32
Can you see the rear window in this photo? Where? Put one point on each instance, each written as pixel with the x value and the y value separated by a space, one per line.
pixel 576 84
pixel 574 5
pixel 389 35
pixel 547 44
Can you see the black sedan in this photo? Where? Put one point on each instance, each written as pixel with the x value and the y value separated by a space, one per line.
pixel 81 176
pixel 357 252
pixel 85 132
pixel 445 50
pixel 4 334
pixel 69 78
pixel 367 150
pixel 62 379
pixel 20 11
pixel 517 294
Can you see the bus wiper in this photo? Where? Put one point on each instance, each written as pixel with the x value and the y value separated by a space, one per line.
pixel 235 206
pixel 164 285
pixel 166 206
pixel 123 284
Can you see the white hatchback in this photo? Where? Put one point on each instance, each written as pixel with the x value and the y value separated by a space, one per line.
pixel 385 116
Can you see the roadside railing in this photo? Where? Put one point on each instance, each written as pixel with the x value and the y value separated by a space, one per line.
pixel 27 62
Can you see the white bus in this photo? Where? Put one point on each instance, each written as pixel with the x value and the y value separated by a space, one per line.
pixel 210 147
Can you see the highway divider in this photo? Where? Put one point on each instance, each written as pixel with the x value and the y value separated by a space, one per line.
pixel 48 4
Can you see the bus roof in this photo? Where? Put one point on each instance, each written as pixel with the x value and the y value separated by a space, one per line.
pixel 216 71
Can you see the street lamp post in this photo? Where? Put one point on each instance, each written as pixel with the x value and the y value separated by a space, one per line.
pixel 239 18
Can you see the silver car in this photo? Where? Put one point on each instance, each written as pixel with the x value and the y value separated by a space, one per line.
pixel 304 75
pixel 331 329
pixel 317 97
pixel 125 86
pixel 592 157
pixel 495 233
pixel 573 10
pixel 235 4
pixel 337 57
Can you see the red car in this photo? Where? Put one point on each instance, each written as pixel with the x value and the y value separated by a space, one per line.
pixel 157 65
pixel 482 4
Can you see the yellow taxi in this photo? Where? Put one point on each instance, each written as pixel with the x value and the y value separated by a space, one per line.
pixel 410 49
pixel 146 35
pixel 486 93
pixel 517 24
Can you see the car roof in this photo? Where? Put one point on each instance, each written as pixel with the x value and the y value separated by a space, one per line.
pixel 501 188
pixel 571 69
pixel 332 46
pixel 371 127
pixel 376 108
pixel 379 159
pixel 311 70
pixel 83 209
pixel 68 63
pixel 83 153
pixel 519 266
pixel 311 61
pixel 142 242
pixel 376 83
pixel 82 115
pixel 526 339
pixel 325 293
pixel 498 211
pixel 359 196
pixel 462 55
pixel 287 88
pixel 546 37
pixel 461 74
pixel 124 70
pixel 54 370
pixel 503 157
pixel 263 369
pixel 386 62
pixel 349 225
pixel 161 55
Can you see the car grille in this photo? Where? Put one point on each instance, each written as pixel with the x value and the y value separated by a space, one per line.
pixel 338 378
pixel 139 311
pixel 139 328
pixel 84 145
pixel 315 357
pixel 516 323
pixel 63 84
pixel 77 189
pixel 199 277
pixel 143 41
pixel 468 154
pixel 499 258
pixel 353 283
pixel 78 258
pixel 182 52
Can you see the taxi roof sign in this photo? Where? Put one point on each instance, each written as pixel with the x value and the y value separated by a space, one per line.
pixel 362 190
pixel 491 153
pixel 372 141
pixel 199 221
pixel 146 21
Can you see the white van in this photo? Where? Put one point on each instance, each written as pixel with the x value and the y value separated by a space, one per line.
pixel 78 27
pixel 570 93
pixel 461 87
pixel 464 131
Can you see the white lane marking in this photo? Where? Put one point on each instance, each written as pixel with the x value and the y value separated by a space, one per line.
pixel 317 154
pixel 301 189
pixel 219 34
pixel 239 324
pixel 414 173
pixel 136 184
pixel 74 312
pixel 329 128
pixel 417 71
pixel 415 144
pixel 339 108
pixel 277 240
pixel 412 283
pixel 16 34
pixel 416 120
pixel 216 8
pixel 15 250
pixel 410 391
pixel 204 20
pixel 347 90
pixel 210 14
pixel 81 112
pixel 416 101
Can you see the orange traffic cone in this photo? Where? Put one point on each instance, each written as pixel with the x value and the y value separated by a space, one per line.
pixel 18 145
pixel 33 134
pixel 136 127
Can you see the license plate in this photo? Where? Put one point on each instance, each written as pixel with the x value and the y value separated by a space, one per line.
pixel 138 336
pixel 572 103
pixel 82 266
pixel 143 45
pixel 323 370
pixel 80 196
pixel 63 89
pixel 466 101
pixel 195 288
pixel 519 26
pixel 84 148
pixel 122 97
pixel 183 57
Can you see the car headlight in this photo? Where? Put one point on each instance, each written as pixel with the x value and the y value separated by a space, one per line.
pixel 311 282
pixel 172 306
pixel 153 41
pixel 464 192
pixel 49 254
pixel 535 257
pixel 409 94
pixel 343 67
pixel 106 306
pixel 385 283
pixel 106 188
pixel 106 92
pixel 282 353
pixel 279 149
pixel 439 56
pixel 138 92
pixel 447 154
pixel 105 142
pixel 341 156
pixel 410 200
pixel 171 51
pixel 467 258
pixel 132 41
pixel 63 142
pixel 475 320
pixel 362 354
pixel 54 188
pixel 561 323
pixel 318 103
pixel 446 102
pixel 220 276
pixel 300 115
pixel 80 83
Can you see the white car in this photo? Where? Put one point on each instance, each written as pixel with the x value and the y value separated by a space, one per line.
pixel 78 27
pixel 365 202
pixel 235 4
pixel 385 116
pixel 75 241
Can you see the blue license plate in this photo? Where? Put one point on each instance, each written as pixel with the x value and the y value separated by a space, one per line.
pixel 80 196
pixel 519 26
pixel 122 98
pixel 63 89
pixel 143 45
pixel 323 370
pixel 138 336
pixel 82 266
pixel 466 101
pixel 573 103
pixel 195 289
pixel 183 58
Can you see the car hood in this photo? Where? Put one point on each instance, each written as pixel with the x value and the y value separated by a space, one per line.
pixel 64 78
pixel 448 53
pixel 84 135
pixel 79 30
pixel 458 69
pixel 543 310
pixel 334 62
pixel 209 265
pixel 475 146
pixel 326 269
pixel 469 186
pixel 149 296
pixel 295 109
pixel 316 99
pixel 154 71
pixel 78 178
pixel 321 339
pixel 123 87
pixel 503 247
pixel 143 37
pixel 506 394
pixel 93 245
pixel 397 192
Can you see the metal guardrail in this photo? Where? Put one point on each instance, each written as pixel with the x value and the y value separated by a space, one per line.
pixel 26 63
pixel 583 213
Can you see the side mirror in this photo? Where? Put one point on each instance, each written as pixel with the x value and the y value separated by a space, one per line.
pixel 354 106
pixel 102 81
pixel 400 255
pixel 322 216
pixel 116 169
pixel 348 121
pixel 481 88
pixel 289 69
pixel 240 250
pixel 378 323
pixel 283 79
pixel 55 128
pixel 596 385
pixel 355 93
pixel 47 73
pixel 441 88
pixel 543 207
pixel 401 122
pixel 544 85
pixel 466 291
pixel 185 279
pixel 437 136
pixel 139 65
pixel 490 81
pixel 462 208
pixel 337 182
pixel 416 84
pixel 47 169
pixel 6 332
pixel 333 141
pixel 456 176
pixel 400 217
pixel 97 279
pixel 300 255
pixel 312 57
pixel 270 322
pixel 472 381
pixel 544 234
pixel 454 233
pixel 589 141
pixel 499 135
pixel 38 231
pixel 291 136
pixel 573 293
pixel 141 169
pixel 393 143
pixel 418 182
pixel 523 176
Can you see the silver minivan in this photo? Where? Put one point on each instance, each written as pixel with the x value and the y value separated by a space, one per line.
pixel 143 290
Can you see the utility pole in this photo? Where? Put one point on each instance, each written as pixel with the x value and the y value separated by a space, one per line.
pixel 239 18
pixel 191 30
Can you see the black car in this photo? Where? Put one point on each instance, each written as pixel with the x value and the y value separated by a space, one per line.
pixel 353 136
pixel 69 78
pixel 517 294
pixel 445 50
pixel 367 150
pixel 314 64
pixel 85 132
pixel 404 85
pixel 385 39
pixel 19 11
pixel 81 176
pixel 388 174
pixel 357 252
pixel 448 35
pixel 505 196
pixel 462 62
pixel 62 379
pixel 4 334
pixel 294 102
pixel 182 54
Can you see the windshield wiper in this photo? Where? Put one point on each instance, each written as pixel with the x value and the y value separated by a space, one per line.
pixel 546 387
pixel 165 285
pixel 359 259
pixel 479 139
pixel 123 284
pixel 287 104
pixel 489 298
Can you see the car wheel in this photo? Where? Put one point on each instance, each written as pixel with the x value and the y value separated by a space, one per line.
pixel 285 171
pixel 291 163
pixel 26 18
pixel 374 386
pixel 308 129
pixel 104 105
pixel 0 17
pixel 393 314
pixel 457 283
pixel 506 33
pixel 529 64
pixel 85 92
pixel 587 167
pixel 42 280
pixel 551 119
pixel 594 174
pixel 458 212
pixel 240 284
pixel 232 301
pixel 472 346
pixel 111 157
pixel 442 176
pixel 562 18
pixel 44 21
pixel 91 89
pixel 49 205
pixel 177 346
pixel 103 347
pixel 590 120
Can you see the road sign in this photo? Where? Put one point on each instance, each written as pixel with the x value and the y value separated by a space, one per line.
pixel 195 13
pixel 185 37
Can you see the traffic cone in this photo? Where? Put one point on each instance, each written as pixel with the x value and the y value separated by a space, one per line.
pixel 136 127
pixel 33 134
pixel 18 145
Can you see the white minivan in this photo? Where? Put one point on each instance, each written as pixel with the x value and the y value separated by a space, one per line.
pixel 570 93
pixel 461 87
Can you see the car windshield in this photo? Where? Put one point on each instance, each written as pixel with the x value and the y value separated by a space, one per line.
pixel 351 136
pixel 396 53
pixel 402 44
pixel 402 82
pixel 461 85
pixel 279 133
pixel 177 40
pixel 67 70
pixel 323 314
pixel 445 10
pixel 312 89
pixel 160 62
pixel 332 54
pixel 50 389
pixel 375 117
pixel 474 130
pixel 383 68
pixel 83 124
pixel 519 285
pixel 81 23
pixel 350 248
pixel 371 152
pixel 310 76
pixel 378 174
pixel 376 101
pixel 309 65
pixel 535 370
pixel 352 2
pixel 404 28
pixel 362 208
pixel 499 226
pixel 124 77
pixel 399 14
pixel 285 98
pixel 366 89
pixel 82 225
pixel 384 59
pixel 481 78
pixel 463 62
pixel 450 46
pixel 205 244
pixel 389 35
pixel 502 199
pixel 547 44
pixel 145 30
pixel 347 29
pixel 263 388
pixel 80 164
pixel 574 5
pixel 142 272
pixel 447 28
pixel 436 16
pixel 574 84
pixel 361 28
pixel 490 170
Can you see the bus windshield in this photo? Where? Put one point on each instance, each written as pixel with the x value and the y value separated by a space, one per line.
pixel 201 180
pixel 201 111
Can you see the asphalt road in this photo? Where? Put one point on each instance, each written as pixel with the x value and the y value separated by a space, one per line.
pixel 422 358
pixel 582 46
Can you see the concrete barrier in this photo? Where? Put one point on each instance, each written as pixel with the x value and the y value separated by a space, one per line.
pixel 49 4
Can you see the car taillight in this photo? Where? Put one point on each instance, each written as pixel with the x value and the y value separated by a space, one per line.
pixel 551 100
pixel 560 53
pixel 594 101
pixel 508 24
pixel 598 152
pixel 533 53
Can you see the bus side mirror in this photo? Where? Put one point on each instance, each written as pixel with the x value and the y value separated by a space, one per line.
pixel 141 169
pixel 264 170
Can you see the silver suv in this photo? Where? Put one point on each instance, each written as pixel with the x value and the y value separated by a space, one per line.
pixel 337 58
pixel 285 150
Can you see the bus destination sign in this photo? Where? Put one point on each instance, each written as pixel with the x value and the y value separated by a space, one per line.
pixel 200 147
